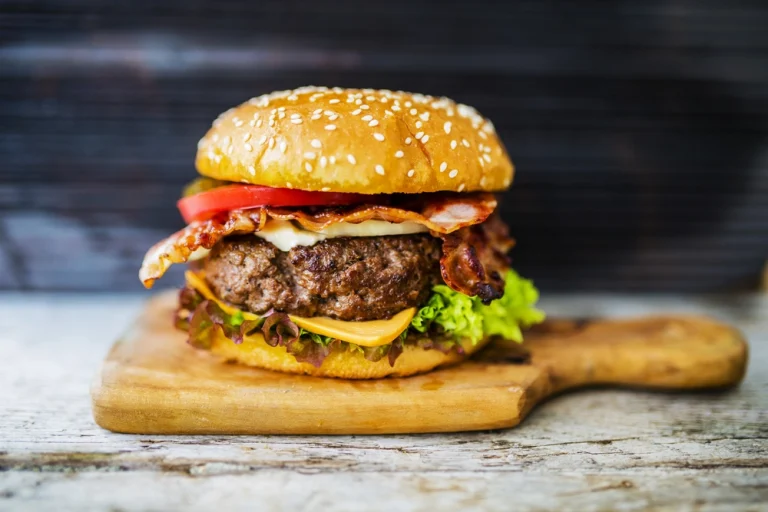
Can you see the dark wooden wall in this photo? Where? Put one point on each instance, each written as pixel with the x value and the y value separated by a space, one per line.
pixel 639 128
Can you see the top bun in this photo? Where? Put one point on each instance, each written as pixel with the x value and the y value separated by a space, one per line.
pixel 353 140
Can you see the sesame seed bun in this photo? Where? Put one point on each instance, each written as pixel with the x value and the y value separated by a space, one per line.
pixel 351 140
pixel 344 364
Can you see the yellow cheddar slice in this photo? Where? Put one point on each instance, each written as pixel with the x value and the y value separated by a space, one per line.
pixel 199 284
pixel 372 333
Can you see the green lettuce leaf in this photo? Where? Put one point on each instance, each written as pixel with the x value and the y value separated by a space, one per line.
pixel 468 317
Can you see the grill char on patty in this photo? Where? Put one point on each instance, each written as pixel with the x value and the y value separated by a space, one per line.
pixel 365 278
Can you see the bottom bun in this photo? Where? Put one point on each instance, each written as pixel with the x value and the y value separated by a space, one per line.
pixel 342 364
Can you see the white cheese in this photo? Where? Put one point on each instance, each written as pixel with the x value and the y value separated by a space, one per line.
pixel 285 235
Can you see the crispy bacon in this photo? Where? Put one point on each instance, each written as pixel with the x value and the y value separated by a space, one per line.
pixel 475 259
pixel 179 247
pixel 442 214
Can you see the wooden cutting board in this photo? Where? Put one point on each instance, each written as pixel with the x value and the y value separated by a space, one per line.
pixel 152 382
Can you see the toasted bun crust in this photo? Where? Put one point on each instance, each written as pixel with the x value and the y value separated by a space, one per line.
pixel 347 364
pixel 351 140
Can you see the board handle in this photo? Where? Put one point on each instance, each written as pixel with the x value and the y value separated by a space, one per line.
pixel 664 352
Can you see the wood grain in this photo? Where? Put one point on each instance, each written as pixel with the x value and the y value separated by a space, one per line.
pixel 603 449
pixel 153 383
pixel 638 130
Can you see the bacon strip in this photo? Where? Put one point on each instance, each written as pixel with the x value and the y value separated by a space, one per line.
pixel 442 214
pixel 475 259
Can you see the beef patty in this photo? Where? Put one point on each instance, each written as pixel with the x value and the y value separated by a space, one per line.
pixel 365 278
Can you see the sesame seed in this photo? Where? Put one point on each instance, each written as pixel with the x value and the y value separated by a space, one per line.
pixel 413 111
pixel 283 146
pixel 364 107
pixel 383 99
pixel 293 97
pixel 408 104
pixel 329 112
pixel 288 184
pixel 271 143
pixel 332 160
pixel 252 170
pixel 418 124
pixel 453 144
pixel 238 123
pixel 367 117
pixel 424 139
pixel 408 141
pixel 215 137
pixel 461 187
pixel 248 147
pixel 380 170
pixel 330 127
pixel 370 98
pixel 259 123
pixel 410 173
pixel 351 159
pixel 396 108
pixel 388 113
pixel 323 161
pixel 334 101
pixel 262 139
pixel 447 127
pixel 281 109
pixel 356 112
pixel 316 144
pixel 325 189
pixel 487 158
pixel 297 121
pixel 443 166
pixel 373 123
pixel 378 137
pixel 419 135
pixel 465 142
pixel 399 154
pixel 317 111
pixel 453 173
pixel 482 162
pixel 482 135
pixel 310 155
pixel 281 115
pixel 333 117
pixel 295 116
pixel 271 121
pixel 424 116
pixel 315 117
pixel 246 137
pixel 358 101
pixel 308 166
pixel 252 123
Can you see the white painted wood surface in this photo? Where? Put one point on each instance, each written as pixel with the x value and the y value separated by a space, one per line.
pixel 592 450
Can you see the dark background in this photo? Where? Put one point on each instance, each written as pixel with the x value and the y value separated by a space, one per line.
pixel 639 129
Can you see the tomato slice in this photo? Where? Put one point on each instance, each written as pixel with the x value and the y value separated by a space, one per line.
pixel 238 197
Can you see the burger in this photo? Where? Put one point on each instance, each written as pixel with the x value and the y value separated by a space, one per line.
pixel 347 233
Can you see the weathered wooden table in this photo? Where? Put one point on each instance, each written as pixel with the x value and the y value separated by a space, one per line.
pixel 593 450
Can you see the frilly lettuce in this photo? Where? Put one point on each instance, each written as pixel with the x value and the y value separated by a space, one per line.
pixel 468 317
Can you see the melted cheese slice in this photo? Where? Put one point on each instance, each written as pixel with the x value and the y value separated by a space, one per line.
pixel 285 235
pixel 372 333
